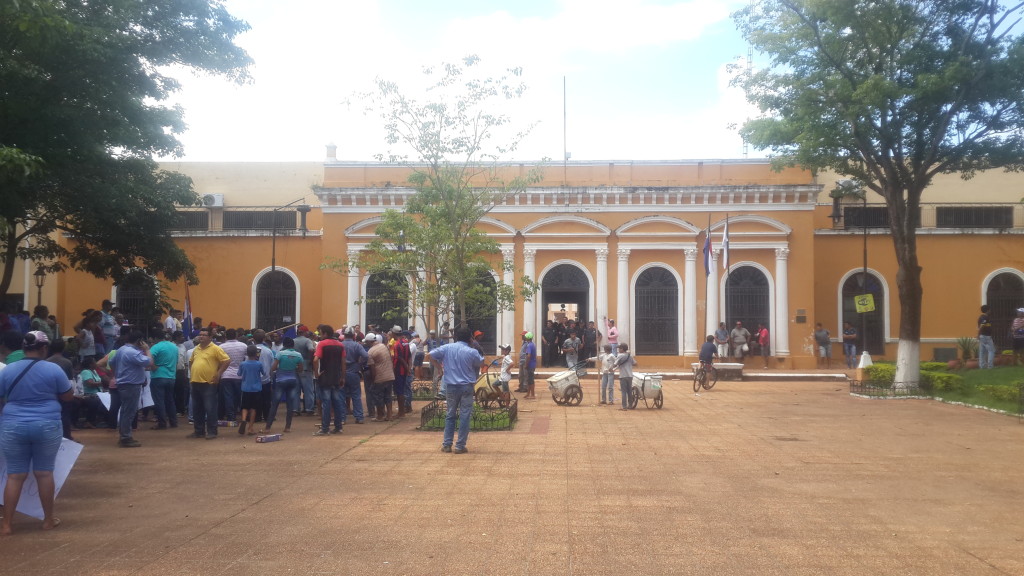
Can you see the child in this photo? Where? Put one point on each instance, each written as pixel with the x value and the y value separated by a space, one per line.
pixel 251 373
pixel 625 362
pixel 505 376
pixel 607 371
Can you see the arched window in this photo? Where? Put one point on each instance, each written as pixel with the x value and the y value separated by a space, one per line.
pixel 138 299
pixel 387 300
pixel 485 317
pixel 1005 293
pixel 870 326
pixel 275 300
pixel 657 313
pixel 747 298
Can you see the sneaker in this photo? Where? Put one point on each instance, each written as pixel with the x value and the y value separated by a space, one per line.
pixel 446 448
pixel 211 436
pixel 360 421
pixel 321 432
pixel 461 450
pixel 195 435
pixel 129 443
pixel 241 427
pixel 336 431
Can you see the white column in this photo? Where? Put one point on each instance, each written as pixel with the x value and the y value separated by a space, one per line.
pixel 781 344
pixel 602 290
pixel 353 291
pixel 711 309
pixel 530 308
pixel 420 320
pixel 622 298
pixel 690 334
pixel 508 256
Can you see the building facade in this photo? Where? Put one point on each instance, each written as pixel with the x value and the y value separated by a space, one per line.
pixel 622 240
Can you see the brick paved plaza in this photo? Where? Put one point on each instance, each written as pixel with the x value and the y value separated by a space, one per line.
pixel 750 478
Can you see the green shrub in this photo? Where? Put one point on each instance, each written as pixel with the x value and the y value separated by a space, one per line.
pixel 941 382
pixel 1002 393
pixel 934 367
pixel 881 372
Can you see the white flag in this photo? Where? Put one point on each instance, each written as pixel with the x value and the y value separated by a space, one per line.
pixel 725 247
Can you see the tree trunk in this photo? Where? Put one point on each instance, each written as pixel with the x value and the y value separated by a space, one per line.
pixel 11 253
pixel 903 219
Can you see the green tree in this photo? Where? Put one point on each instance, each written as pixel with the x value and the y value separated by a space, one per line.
pixel 889 93
pixel 82 113
pixel 452 142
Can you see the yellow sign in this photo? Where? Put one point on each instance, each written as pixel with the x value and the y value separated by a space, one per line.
pixel 865 303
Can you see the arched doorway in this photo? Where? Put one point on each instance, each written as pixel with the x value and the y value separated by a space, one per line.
pixel 657 313
pixel 138 299
pixel 1004 294
pixel 485 317
pixel 275 300
pixel 387 302
pixel 747 298
pixel 565 291
pixel 869 325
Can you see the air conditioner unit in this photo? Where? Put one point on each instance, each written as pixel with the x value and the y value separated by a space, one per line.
pixel 213 200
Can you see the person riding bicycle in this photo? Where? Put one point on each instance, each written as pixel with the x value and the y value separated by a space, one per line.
pixel 709 351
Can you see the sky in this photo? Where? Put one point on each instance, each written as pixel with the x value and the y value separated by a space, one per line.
pixel 611 79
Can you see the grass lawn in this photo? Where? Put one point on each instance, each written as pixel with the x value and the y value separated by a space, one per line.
pixel 996 388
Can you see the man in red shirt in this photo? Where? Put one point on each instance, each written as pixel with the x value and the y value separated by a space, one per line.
pixel 329 370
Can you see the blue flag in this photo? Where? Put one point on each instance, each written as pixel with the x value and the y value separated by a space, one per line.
pixel 707 254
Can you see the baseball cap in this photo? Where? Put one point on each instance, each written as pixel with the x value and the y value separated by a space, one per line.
pixel 529 335
pixel 370 337
pixel 35 339
pixel 396 329
pixel 477 334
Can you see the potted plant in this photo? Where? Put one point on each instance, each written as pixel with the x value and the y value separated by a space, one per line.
pixel 968 351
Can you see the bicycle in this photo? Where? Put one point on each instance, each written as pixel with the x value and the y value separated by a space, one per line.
pixel 705 376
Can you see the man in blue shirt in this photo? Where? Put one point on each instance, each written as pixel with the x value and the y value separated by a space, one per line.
pixel 355 360
pixel 130 363
pixel 461 365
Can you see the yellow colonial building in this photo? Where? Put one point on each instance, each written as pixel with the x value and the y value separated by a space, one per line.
pixel 616 239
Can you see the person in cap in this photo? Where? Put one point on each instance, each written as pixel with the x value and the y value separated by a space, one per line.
pixel 382 372
pixel 461 365
pixel 130 363
pixel 401 359
pixel 505 373
pixel 529 364
pixel 31 430
pixel 475 343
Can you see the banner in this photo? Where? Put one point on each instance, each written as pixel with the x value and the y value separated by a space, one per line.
pixel 29 503
pixel 865 303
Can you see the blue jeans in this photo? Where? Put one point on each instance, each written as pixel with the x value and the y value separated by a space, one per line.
pixel 331 399
pixel 353 391
pixel 986 352
pixel 308 393
pixel 231 396
pixel 460 405
pixel 625 384
pixel 130 394
pixel 608 387
pixel 204 408
pixel 289 389
pixel 163 401
pixel 36 442
pixel 850 351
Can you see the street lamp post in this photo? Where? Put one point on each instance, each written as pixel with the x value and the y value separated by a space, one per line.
pixel 40 277
pixel 865 356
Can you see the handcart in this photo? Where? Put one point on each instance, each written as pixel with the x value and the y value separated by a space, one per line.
pixel 488 388
pixel 646 387
pixel 565 386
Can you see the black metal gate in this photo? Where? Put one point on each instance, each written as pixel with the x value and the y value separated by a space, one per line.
pixel 747 298
pixel 486 319
pixel 275 301
pixel 657 313
pixel 387 301
pixel 137 300
pixel 1005 293
pixel 871 324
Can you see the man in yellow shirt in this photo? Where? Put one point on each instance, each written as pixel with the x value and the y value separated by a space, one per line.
pixel 208 363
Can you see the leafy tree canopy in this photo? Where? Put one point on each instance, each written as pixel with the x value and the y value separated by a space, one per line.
pixel 82 113
pixel 453 141
pixel 890 93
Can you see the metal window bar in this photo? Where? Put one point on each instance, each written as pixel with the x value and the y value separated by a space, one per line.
pixel 974 217
pixel 260 220
pixel 192 220
pixel 657 313
pixel 884 389
pixel 484 419
pixel 855 217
